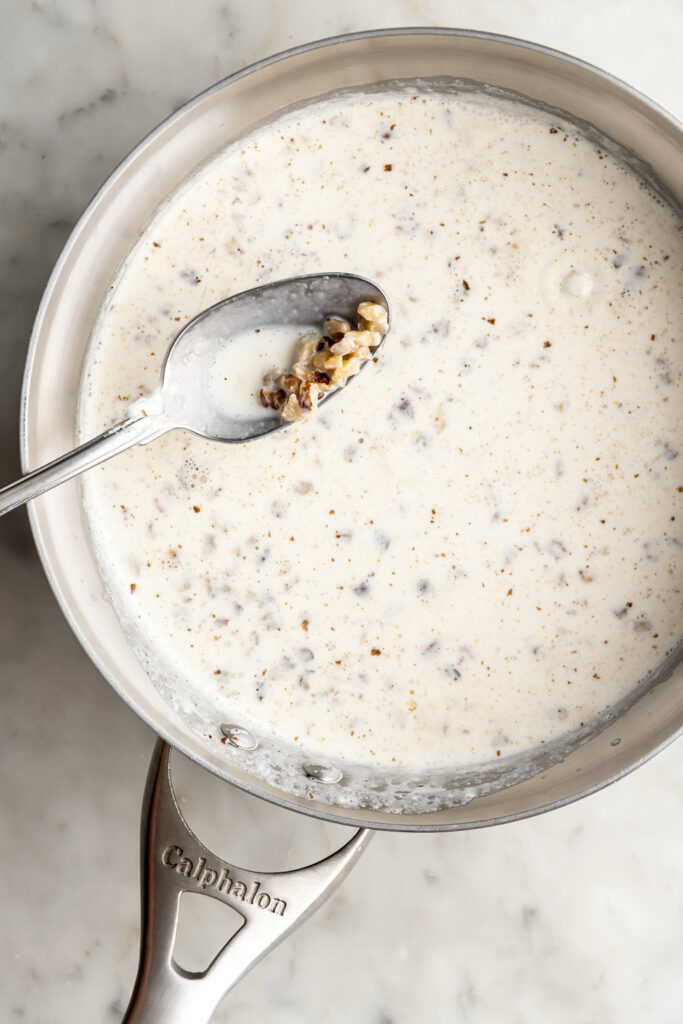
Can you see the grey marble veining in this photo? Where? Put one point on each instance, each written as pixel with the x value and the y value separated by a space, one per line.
pixel 572 917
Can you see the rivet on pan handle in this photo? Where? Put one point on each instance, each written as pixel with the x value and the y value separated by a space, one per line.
pixel 175 861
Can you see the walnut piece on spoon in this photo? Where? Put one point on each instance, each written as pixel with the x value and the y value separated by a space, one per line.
pixel 324 363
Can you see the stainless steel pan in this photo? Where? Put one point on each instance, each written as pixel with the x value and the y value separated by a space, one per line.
pixel 652 141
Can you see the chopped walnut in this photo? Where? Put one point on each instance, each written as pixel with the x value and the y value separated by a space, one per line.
pixel 324 363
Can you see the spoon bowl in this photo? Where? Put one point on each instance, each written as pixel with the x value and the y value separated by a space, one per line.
pixel 185 392
pixel 185 398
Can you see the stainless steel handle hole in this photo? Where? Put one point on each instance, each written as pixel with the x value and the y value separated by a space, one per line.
pixel 205 927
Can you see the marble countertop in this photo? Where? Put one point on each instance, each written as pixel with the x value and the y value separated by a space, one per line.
pixel 575 917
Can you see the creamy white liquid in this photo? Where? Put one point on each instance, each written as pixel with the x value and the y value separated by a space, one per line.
pixel 236 375
pixel 477 546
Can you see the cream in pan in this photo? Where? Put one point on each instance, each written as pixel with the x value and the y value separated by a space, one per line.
pixel 477 546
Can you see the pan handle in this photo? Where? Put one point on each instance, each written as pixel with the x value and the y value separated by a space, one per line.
pixel 174 861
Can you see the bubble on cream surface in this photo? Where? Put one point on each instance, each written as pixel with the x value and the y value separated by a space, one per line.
pixel 477 547
pixel 578 285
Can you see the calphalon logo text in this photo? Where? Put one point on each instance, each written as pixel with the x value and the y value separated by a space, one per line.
pixel 205 877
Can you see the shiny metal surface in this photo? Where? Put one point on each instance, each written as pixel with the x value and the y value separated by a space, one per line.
pixel 87 264
pixel 173 862
pixel 136 428
pixel 184 398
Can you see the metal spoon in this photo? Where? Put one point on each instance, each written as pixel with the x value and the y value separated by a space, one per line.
pixel 184 399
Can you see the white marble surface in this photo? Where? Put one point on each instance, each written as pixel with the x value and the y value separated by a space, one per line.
pixel 573 917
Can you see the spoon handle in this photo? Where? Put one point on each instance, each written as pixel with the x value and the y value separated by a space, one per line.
pixel 133 430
